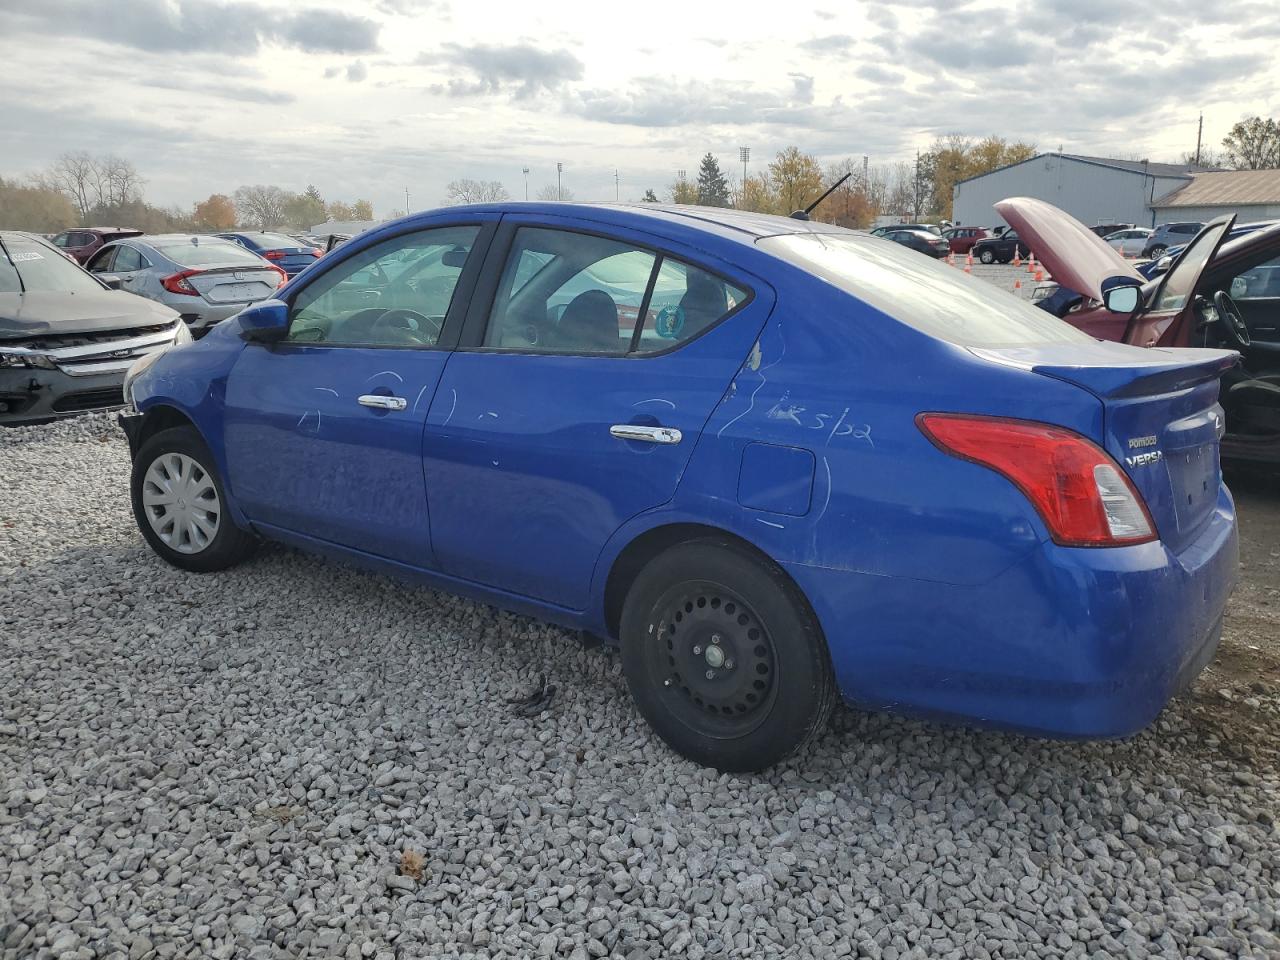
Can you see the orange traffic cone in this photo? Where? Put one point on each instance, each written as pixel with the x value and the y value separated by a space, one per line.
pixel 1017 257
pixel 1017 285
pixel 1039 274
pixel 1031 263
pixel 951 259
pixel 968 259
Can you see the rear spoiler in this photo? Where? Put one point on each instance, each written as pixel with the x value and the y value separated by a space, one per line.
pixel 1189 368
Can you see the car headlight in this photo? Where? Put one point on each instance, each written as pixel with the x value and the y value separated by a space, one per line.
pixel 21 357
pixel 139 367
pixel 182 334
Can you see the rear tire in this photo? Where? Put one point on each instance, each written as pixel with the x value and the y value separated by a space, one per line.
pixel 180 504
pixel 724 658
pixel 1157 252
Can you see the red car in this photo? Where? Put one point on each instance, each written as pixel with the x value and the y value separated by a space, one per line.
pixel 83 242
pixel 962 239
pixel 1193 304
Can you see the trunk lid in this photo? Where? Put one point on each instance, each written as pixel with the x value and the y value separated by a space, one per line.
pixel 235 285
pixel 1077 258
pixel 1161 420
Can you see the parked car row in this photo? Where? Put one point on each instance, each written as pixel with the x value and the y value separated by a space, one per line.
pixel 66 337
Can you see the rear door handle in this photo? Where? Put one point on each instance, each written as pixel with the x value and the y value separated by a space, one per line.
pixel 381 402
pixel 633 431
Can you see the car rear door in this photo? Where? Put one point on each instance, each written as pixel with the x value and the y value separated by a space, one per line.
pixel 323 430
pixel 556 419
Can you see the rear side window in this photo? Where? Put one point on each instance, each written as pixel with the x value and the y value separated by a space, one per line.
pixel 573 293
pixel 921 292
pixel 209 253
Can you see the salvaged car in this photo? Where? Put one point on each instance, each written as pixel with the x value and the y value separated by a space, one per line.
pixel 737 484
pixel 81 243
pixel 205 279
pixel 66 340
pixel 1218 292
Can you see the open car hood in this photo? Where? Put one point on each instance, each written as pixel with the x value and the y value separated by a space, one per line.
pixel 1077 258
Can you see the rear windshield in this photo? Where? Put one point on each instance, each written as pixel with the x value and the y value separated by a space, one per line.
pixel 277 241
pixel 210 253
pixel 924 293
pixel 27 265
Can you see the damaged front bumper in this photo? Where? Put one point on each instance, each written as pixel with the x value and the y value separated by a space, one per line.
pixel 42 383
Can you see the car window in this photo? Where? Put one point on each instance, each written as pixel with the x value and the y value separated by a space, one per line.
pixel 100 262
pixel 1258 283
pixel 206 252
pixel 580 293
pixel 685 301
pixel 60 240
pixel 921 292
pixel 1179 282
pixel 127 260
pixel 1185 228
pixel 394 294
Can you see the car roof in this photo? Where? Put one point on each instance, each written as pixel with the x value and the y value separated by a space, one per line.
pixel 743 226
pixel 154 238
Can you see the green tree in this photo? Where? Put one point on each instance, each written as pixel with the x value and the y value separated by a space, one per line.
pixel 713 189
pixel 758 195
pixel 337 210
pixel 1254 144
pixel 649 197
pixel 362 210
pixel 304 210
pixel 797 179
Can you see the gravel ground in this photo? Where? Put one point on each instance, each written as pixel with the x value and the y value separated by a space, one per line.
pixel 298 759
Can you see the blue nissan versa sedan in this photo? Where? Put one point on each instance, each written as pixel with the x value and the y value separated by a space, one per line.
pixel 772 460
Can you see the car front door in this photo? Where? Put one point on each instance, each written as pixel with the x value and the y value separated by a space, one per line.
pixel 323 430
pixel 560 417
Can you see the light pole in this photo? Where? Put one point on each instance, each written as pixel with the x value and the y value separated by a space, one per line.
pixel 744 154
pixel 559 170
pixel 526 183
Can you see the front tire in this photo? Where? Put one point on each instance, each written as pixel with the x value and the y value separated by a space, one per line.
pixel 180 504
pixel 724 658
pixel 987 256
pixel 1157 252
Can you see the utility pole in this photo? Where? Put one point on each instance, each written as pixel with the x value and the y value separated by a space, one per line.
pixel 617 185
pixel 559 191
pixel 744 154
pixel 1199 133
pixel 526 183
pixel 406 200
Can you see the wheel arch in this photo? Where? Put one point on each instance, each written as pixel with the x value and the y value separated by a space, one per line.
pixel 163 416
pixel 647 545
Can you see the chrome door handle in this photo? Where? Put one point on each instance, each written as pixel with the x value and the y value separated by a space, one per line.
pixel 634 431
pixel 381 402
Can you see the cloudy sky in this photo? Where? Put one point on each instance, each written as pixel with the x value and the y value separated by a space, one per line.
pixel 366 98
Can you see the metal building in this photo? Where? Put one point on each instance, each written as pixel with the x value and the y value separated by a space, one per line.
pixel 1091 189
pixel 1249 194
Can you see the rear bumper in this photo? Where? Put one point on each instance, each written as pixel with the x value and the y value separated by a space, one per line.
pixel 33 395
pixel 1069 642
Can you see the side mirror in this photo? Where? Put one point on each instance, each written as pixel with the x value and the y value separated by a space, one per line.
pixel 1239 287
pixel 264 322
pixel 110 279
pixel 1122 299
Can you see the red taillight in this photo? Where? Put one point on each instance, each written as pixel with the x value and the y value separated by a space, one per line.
pixel 284 277
pixel 1079 491
pixel 178 283
pixel 317 252
pixel 274 254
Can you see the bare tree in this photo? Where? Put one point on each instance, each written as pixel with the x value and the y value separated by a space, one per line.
pixel 118 182
pixel 261 206
pixel 475 191
pixel 76 174
pixel 550 191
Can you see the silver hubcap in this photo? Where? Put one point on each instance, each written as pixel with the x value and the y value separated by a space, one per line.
pixel 181 503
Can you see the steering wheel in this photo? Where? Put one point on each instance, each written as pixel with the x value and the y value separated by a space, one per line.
pixel 415 327
pixel 1231 321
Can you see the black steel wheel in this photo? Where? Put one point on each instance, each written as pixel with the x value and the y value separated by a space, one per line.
pixel 724 658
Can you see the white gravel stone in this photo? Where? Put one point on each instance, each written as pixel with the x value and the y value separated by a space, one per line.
pixel 234 765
